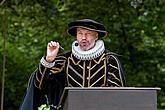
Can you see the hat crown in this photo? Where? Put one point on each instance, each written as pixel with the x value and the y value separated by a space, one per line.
pixel 86 23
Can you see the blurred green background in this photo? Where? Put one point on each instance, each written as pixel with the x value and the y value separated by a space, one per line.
pixel 136 30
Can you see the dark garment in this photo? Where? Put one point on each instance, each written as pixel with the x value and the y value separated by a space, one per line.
pixel 47 84
pixel 27 103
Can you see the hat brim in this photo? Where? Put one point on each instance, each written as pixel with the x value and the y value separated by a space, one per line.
pixel 73 31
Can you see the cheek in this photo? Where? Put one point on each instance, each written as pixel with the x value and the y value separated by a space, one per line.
pixel 78 38
pixel 91 42
pixel 93 39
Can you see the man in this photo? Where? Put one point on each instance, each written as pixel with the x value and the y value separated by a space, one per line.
pixel 87 65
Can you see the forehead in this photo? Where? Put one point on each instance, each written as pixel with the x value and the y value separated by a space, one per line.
pixel 84 29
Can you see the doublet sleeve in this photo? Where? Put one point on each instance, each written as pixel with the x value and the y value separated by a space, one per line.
pixel 44 74
pixel 115 74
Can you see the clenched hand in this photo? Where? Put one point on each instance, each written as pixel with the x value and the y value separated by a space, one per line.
pixel 52 50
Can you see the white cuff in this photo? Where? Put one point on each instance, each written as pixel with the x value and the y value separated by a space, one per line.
pixel 46 64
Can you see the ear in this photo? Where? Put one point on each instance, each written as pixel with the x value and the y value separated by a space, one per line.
pixel 97 36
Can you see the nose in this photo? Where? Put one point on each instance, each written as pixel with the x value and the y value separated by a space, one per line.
pixel 84 36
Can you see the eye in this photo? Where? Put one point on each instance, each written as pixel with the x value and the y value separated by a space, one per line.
pixel 89 33
pixel 80 33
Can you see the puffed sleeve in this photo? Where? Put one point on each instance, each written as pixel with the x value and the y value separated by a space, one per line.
pixel 46 70
pixel 115 74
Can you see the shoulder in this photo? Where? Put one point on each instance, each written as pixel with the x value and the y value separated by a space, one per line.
pixel 112 57
pixel 64 55
pixel 112 54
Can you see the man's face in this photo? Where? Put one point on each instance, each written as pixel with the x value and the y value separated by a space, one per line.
pixel 86 38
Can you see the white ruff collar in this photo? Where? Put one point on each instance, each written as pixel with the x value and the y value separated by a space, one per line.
pixel 89 54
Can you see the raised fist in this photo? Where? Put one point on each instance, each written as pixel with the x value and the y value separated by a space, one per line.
pixel 52 50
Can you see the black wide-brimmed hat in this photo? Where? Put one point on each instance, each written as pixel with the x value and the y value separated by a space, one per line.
pixel 87 24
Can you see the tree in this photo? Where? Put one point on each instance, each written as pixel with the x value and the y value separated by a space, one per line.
pixel 136 31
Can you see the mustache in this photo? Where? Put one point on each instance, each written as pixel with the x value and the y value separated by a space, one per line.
pixel 83 41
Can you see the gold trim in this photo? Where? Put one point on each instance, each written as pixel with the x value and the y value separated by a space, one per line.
pixel 28 85
pixel 98 80
pixel 67 72
pixel 84 74
pixel 97 62
pixel 40 69
pixel 103 85
pixel 56 69
pixel 89 73
pixel 93 66
pixel 105 72
pixel 114 76
pixel 75 80
pixel 119 70
pixel 113 66
pixel 113 82
pixel 36 86
pixel 54 72
pixel 75 71
pixel 37 78
pixel 60 63
pixel 61 57
pixel 97 71
pixel 70 85
pixel 101 58
pixel 74 61
pixel 70 59
pixel 42 77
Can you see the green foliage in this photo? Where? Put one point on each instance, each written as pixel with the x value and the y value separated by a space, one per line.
pixel 44 107
pixel 135 30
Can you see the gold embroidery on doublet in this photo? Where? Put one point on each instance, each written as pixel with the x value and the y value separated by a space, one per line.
pixel 39 77
pixel 102 71
pixel 114 77
pixel 59 64
pixel 58 67
pixel 82 73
